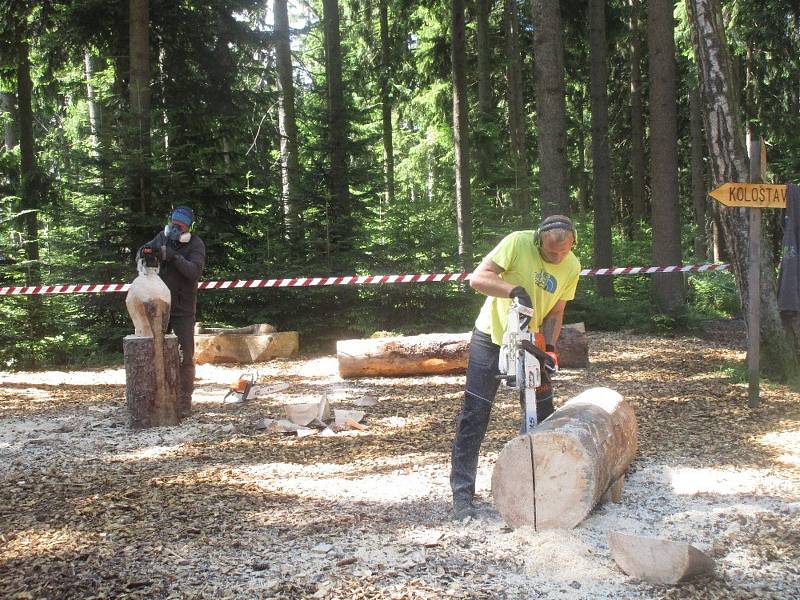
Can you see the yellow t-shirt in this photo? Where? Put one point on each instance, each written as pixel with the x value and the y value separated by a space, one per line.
pixel 523 265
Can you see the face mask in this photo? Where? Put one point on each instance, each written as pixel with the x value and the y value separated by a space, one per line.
pixel 174 234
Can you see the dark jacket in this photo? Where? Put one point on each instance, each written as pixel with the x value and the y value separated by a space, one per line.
pixel 789 276
pixel 182 273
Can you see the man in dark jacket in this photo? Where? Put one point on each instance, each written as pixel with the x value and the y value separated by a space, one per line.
pixel 183 256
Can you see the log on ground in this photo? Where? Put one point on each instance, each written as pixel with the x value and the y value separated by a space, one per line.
pixel 553 476
pixel 436 354
pixel 151 380
pixel 430 354
pixel 241 348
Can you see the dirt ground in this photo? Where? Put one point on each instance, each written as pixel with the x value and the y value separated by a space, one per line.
pixel 215 508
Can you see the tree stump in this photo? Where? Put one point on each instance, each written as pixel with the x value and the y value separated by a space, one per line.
pixel 553 476
pixel 151 380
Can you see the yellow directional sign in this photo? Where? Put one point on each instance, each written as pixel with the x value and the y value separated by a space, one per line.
pixel 751 195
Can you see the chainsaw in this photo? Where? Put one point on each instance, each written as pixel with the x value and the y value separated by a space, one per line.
pixel 240 389
pixel 519 365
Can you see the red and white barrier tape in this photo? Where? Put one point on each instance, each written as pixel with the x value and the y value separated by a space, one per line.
pixel 105 288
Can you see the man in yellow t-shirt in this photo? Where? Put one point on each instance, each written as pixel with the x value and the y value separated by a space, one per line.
pixel 539 270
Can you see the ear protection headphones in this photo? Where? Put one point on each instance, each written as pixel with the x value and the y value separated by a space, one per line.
pixel 552 223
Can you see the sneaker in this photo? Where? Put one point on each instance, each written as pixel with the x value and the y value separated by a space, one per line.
pixel 462 509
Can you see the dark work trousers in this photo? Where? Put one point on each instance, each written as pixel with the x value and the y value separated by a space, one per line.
pixel 481 389
pixel 183 328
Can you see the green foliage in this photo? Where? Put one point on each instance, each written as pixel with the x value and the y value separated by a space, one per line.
pixel 215 145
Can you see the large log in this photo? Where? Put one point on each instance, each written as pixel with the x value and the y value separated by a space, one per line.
pixel 437 353
pixel 151 380
pixel 430 354
pixel 553 476
pixel 245 348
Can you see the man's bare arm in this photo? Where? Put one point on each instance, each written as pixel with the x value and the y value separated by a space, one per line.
pixel 551 324
pixel 486 280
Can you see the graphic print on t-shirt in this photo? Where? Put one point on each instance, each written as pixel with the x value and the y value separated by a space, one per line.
pixel 546 281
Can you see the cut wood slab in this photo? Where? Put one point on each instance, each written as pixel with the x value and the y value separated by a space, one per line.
pixel 553 476
pixel 306 413
pixel 241 348
pixel 658 560
pixel 437 353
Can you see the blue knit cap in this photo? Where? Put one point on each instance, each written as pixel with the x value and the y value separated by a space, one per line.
pixel 183 214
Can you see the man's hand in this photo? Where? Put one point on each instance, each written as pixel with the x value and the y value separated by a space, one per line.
pixel 167 253
pixel 521 296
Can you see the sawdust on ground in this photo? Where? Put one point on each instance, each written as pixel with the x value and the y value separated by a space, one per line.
pixel 214 508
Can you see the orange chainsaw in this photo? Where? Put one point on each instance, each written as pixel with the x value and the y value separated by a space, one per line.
pixel 240 389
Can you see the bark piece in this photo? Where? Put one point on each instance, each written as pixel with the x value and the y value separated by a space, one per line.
pixel 352 424
pixel 245 348
pixel 151 380
pixel 658 560
pixel 553 476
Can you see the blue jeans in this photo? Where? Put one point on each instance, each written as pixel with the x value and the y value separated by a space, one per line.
pixel 481 389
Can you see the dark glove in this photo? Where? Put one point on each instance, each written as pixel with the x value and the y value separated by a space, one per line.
pixel 167 253
pixel 551 362
pixel 523 299
pixel 521 296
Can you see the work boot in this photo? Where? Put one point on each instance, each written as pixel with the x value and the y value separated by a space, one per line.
pixel 462 508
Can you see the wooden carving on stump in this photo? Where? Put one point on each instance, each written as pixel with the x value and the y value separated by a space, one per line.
pixel 151 357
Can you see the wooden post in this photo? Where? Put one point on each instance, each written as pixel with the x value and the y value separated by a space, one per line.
pixel 754 283
pixel 152 381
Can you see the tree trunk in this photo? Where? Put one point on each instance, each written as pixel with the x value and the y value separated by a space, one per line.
pixel 552 477
pixel 727 158
pixel 551 112
pixel 669 288
pixel 461 136
pixel 638 212
pixel 139 87
pixel 8 105
pixel 482 131
pixel 516 117
pixel 386 106
pixel 95 114
pixel 30 177
pixel 341 214
pixel 290 166
pixel 151 380
pixel 601 161
pixel 583 177
pixel 482 47
pixel 699 190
